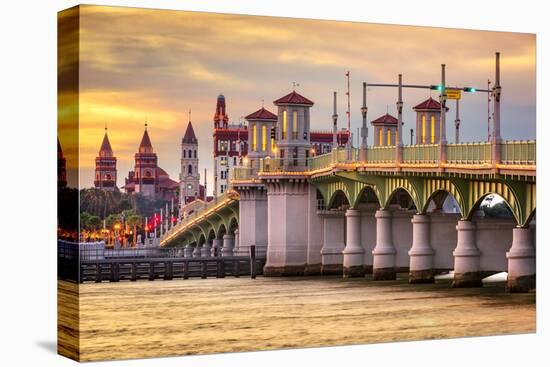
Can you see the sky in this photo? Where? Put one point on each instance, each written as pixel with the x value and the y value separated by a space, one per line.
pixel 139 65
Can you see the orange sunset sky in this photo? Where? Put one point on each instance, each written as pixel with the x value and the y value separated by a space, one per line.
pixel 155 65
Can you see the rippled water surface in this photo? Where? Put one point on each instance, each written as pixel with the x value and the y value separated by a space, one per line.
pixel 196 316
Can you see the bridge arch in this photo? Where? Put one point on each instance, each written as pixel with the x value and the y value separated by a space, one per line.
pixel 368 194
pixel 222 229
pixel 482 198
pixel 202 240
pixel 434 187
pixel 233 225
pixel 481 190
pixel 338 199
pixel 211 235
pixel 393 185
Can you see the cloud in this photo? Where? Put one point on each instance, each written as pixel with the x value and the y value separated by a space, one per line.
pixel 138 63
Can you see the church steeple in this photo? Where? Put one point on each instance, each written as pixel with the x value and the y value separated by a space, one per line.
pixel 189 137
pixel 145 146
pixel 106 150
pixel 105 166
pixel 189 173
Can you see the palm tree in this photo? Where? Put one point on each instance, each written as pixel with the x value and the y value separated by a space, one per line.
pixel 133 220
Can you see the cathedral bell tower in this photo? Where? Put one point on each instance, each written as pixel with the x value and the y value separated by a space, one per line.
pixel 189 173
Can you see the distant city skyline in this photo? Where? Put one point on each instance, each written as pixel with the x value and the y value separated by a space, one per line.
pixel 139 65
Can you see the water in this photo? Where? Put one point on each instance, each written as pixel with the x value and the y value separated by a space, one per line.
pixel 198 316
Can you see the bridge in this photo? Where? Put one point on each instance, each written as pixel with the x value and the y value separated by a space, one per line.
pixel 374 209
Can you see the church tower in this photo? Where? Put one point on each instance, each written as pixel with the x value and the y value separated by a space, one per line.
pixel 145 169
pixel 105 166
pixel 189 173
pixel 221 119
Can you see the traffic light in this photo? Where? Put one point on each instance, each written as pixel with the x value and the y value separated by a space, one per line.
pixel 272 133
pixel 469 89
pixel 436 87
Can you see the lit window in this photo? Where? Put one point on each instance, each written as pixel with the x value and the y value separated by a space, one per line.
pixel 284 125
pixel 389 137
pixel 295 125
pixel 380 138
pixel 264 138
pixel 432 127
pixel 423 129
pixel 254 138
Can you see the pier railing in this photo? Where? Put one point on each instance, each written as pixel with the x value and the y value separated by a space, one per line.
pixel 81 262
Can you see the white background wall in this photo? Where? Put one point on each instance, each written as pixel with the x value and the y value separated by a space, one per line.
pixel 28 100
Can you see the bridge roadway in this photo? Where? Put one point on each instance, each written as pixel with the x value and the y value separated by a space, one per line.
pixel 380 210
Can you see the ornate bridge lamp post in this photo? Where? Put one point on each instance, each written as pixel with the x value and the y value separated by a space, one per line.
pixel 442 124
pixel 364 128
pixel 399 137
pixel 496 138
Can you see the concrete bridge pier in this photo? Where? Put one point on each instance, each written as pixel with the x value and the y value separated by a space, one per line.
pixel 287 234
pixel 188 251
pixel 521 261
pixel 237 250
pixel 353 252
pixel 206 249
pixel 421 253
pixel 217 244
pixel 197 251
pixel 333 242
pixel 467 256
pixel 384 253
pixel 252 218
pixel 228 244
pixel 315 231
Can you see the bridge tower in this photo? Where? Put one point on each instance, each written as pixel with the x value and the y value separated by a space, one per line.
pixel 293 129
pixel 289 195
pixel 385 129
pixel 428 114
pixel 260 126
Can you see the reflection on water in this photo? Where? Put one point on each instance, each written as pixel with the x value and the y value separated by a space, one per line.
pixel 197 316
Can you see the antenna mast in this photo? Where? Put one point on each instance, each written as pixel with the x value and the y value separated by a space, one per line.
pixel 348 115
pixel 488 110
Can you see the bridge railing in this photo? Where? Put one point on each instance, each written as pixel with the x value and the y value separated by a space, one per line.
pixel 421 153
pixel 385 154
pixel 512 152
pixel 518 152
pixel 320 161
pixel 342 155
pixel 469 153
pixel 242 173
